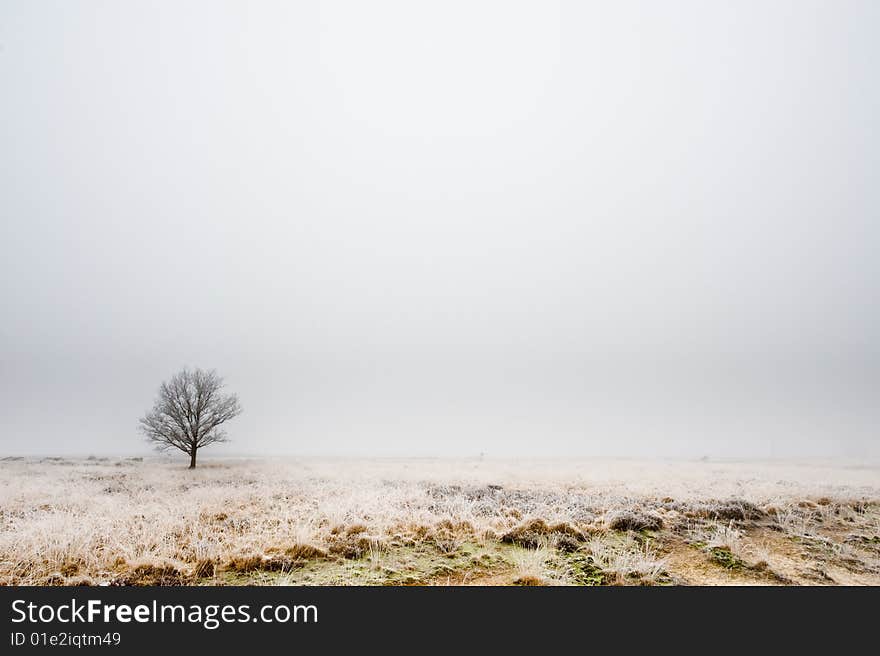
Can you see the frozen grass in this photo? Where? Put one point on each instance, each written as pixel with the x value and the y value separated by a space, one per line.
pixel 726 537
pixel 99 520
pixel 627 560
pixel 532 567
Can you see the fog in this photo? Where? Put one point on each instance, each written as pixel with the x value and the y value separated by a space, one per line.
pixel 409 228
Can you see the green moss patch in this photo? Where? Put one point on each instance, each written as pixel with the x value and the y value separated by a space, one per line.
pixel 727 559
pixel 585 571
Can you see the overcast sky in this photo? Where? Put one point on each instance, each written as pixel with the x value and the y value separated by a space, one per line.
pixel 430 228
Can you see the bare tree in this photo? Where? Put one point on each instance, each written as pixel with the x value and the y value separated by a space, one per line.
pixel 189 412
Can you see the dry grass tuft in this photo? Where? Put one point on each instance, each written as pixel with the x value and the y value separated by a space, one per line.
pixel 629 520
pixel 535 566
pixel 149 574
pixel 737 510
pixel 446 541
pixel 204 569
pixel 565 543
pixel 350 546
pixel 70 568
pixel 304 552
pixel 530 581
pixel 529 535
pixel 536 532
pixel 244 564
pixel 627 562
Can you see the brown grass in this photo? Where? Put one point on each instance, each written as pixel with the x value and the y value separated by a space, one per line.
pixel 629 520
pixel 126 522
pixel 149 574
pixel 529 581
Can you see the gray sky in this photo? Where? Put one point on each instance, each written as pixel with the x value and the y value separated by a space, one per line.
pixel 522 228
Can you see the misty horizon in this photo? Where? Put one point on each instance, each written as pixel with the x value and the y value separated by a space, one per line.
pixel 519 229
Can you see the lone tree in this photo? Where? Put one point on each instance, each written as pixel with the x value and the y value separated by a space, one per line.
pixel 189 412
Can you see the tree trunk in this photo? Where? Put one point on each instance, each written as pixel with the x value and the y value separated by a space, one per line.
pixel 192 459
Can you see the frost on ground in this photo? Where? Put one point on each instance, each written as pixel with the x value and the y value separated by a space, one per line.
pixel 401 522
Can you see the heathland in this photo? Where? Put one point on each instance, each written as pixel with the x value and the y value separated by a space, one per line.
pixel 133 521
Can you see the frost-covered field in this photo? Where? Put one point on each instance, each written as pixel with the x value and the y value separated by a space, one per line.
pixel 322 521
